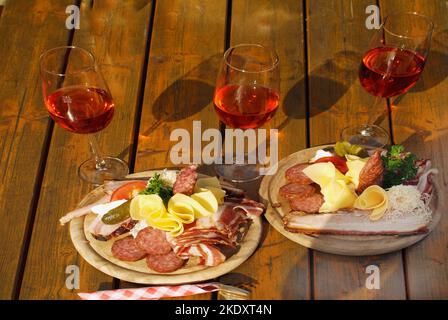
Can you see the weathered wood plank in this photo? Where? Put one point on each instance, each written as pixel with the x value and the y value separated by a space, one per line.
pixel 116 31
pixel 186 46
pixel 419 121
pixel 279 268
pixel 336 41
pixel 26 28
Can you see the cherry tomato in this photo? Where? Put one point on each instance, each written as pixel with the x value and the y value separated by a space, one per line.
pixel 128 190
pixel 339 162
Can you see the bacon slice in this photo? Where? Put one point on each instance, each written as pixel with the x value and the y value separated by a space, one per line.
pixel 353 223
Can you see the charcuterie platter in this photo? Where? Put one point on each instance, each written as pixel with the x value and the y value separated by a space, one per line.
pixel 352 204
pixel 195 232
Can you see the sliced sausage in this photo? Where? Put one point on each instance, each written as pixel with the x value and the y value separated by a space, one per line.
pixel 164 263
pixel 152 241
pixel 295 189
pixel 295 174
pixel 185 181
pixel 372 173
pixel 126 249
pixel 309 204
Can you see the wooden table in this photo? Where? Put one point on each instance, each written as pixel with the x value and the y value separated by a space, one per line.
pixel 160 60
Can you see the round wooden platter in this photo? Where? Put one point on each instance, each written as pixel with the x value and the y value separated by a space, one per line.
pixel 96 254
pixel 336 244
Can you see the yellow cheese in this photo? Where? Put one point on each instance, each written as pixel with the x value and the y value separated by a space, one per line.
pixel 182 209
pixel 151 209
pixel 211 184
pixel 373 198
pixel 144 206
pixel 181 204
pixel 323 173
pixel 355 165
pixel 207 182
pixel 337 195
pixel 207 200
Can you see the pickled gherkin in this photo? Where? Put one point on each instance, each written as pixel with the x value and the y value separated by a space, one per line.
pixel 343 148
pixel 118 214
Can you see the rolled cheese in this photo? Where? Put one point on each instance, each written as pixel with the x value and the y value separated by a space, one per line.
pixel 373 198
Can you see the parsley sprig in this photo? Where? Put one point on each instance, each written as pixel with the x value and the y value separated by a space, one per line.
pixel 399 166
pixel 156 186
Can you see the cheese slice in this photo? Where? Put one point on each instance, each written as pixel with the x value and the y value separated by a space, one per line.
pixel 337 195
pixel 355 165
pixel 373 198
pixel 323 173
pixel 212 184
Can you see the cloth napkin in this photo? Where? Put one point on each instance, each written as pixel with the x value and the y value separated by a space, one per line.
pixel 151 293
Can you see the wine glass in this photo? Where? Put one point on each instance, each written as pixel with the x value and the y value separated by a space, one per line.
pixel 396 56
pixel 246 97
pixel 78 99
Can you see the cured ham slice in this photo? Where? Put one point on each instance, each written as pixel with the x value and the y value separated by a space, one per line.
pixel 212 237
pixel 209 255
pixel 353 223
pixel 424 178
pixel 249 206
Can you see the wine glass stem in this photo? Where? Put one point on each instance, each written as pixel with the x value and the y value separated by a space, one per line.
pixel 100 164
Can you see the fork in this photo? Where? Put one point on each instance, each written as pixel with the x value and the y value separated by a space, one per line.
pixel 227 292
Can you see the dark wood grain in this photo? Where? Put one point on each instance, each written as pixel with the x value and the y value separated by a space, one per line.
pixel 186 47
pixel 419 121
pixel 117 33
pixel 279 268
pixel 23 123
pixel 336 42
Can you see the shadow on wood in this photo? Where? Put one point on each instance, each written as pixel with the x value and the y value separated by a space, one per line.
pixel 182 99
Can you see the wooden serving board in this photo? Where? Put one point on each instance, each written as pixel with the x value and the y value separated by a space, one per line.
pixel 136 271
pixel 336 244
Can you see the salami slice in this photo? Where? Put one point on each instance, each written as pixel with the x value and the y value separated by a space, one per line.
pixel 309 204
pixel 185 181
pixel 294 189
pixel 164 263
pixel 153 241
pixel 295 174
pixel 126 249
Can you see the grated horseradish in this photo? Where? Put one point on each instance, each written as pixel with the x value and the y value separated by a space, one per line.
pixel 406 200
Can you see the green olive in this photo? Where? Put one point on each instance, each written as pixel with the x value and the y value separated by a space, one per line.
pixel 118 214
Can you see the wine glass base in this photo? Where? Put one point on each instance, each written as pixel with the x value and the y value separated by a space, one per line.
pixel 237 172
pixel 366 135
pixel 114 169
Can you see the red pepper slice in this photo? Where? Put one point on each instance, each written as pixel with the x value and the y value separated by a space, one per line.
pixel 339 162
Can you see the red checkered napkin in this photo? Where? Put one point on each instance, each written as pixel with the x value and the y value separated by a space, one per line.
pixel 151 293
